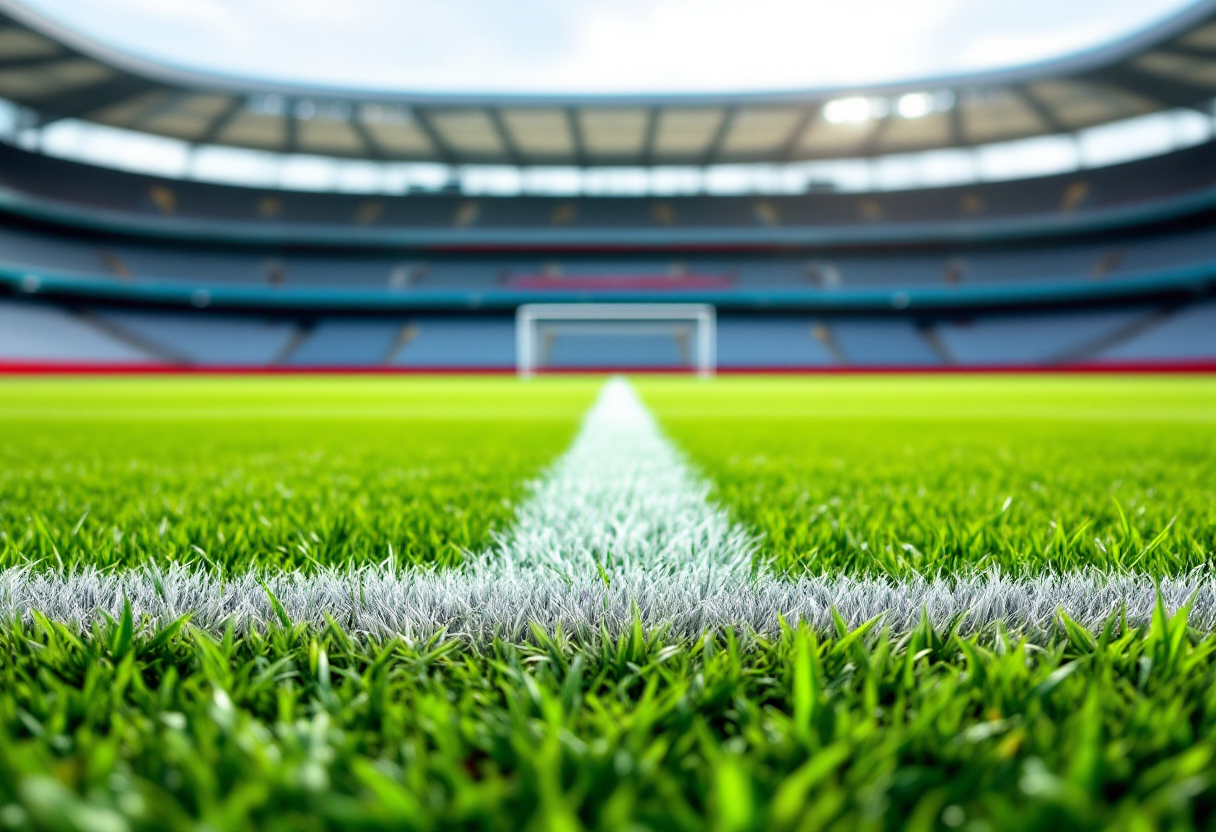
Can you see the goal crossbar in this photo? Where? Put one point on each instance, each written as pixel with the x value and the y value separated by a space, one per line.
pixel 529 317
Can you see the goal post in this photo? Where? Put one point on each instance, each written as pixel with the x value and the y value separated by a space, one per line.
pixel 537 325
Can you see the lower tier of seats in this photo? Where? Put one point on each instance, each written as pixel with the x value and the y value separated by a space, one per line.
pixel 37 333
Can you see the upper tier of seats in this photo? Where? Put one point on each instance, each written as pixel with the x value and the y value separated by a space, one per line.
pixel 1100 259
pixel 70 191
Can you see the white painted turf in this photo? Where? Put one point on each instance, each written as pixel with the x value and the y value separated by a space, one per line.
pixel 619 529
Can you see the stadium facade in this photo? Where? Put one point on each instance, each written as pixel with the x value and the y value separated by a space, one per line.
pixel 430 221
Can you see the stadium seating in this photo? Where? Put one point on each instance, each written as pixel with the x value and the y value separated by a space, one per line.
pixel 459 343
pixel 776 342
pixel 207 340
pixel 54 181
pixel 1107 258
pixel 1036 339
pixel 348 342
pixel 884 342
pixel 1187 334
pixel 37 334
pixel 608 351
pixel 1005 294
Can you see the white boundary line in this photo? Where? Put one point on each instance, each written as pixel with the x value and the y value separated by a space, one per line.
pixel 622 498
pixel 479 606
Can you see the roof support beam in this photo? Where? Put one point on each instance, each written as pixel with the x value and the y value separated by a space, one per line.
pixel 442 150
pixel 805 120
pixel 715 144
pixel 35 61
pixel 576 134
pixel 1184 51
pixel 221 120
pixel 291 128
pixel 1040 109
pixel 1174 92
pixel 958 131
pixel 652 131
pixel 371 147
pixel 83 101
pixel 869 145
pixel 504 136
pixel 167 103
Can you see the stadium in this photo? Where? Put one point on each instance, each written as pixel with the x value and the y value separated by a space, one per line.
pixel 814 456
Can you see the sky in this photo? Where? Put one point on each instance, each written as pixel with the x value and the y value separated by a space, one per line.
pixel 601 46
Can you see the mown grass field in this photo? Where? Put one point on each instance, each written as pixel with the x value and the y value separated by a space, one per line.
pixel 125 727
pixel 932 475
pixel 234 473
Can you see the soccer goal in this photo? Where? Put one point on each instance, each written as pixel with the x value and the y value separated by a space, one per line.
pixel 615 336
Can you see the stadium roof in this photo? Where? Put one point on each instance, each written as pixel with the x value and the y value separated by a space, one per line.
pixel 61 75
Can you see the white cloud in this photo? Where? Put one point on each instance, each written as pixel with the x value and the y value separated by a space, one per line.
pixel 207 21
pixel 1027 43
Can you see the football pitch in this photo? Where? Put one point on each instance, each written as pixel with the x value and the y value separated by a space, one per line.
pixel 958 602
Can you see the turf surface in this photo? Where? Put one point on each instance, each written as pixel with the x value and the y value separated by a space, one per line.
pixel 125 727
pixel 234 473
pixel 291 731
pixel 942 475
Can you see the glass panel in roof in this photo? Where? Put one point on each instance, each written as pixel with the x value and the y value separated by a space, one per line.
pixel 399 138
pixel 1202 38
pixel 613 132
pixel 930 130
pixel 996 114
pixel 17 43
pixel 325 136
pixel 758 130
pixel 256 130
pixel 540 132
pixel 1181 67
pixel 44 81
pixel 469 131
pixel 687 132
pixel 189 116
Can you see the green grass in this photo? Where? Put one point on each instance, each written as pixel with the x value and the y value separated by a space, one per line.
pixel 127 729
pixel 854 731
pixel 929 475
pixel 242 472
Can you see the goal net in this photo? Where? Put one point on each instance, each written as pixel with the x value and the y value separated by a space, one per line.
pixel 615 336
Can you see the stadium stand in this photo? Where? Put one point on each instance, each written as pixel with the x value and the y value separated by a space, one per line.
pixel 774 342
pixel 206 340
pixel 37 334
pixel 1186 335
pixel 866 343
pixel 1137 252
pixel 460 343
pixel 1106 264
pixel 38 184
pixel 1036 339
pixel 356 342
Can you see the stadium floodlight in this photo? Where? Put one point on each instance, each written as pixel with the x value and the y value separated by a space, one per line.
pixel 915 105
pixel 538 324
pixel 855 110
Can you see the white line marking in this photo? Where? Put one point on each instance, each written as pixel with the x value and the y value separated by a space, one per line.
pixel 621 497
pixel 689 603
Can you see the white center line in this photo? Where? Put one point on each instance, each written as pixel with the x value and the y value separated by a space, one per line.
pixel 622 499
